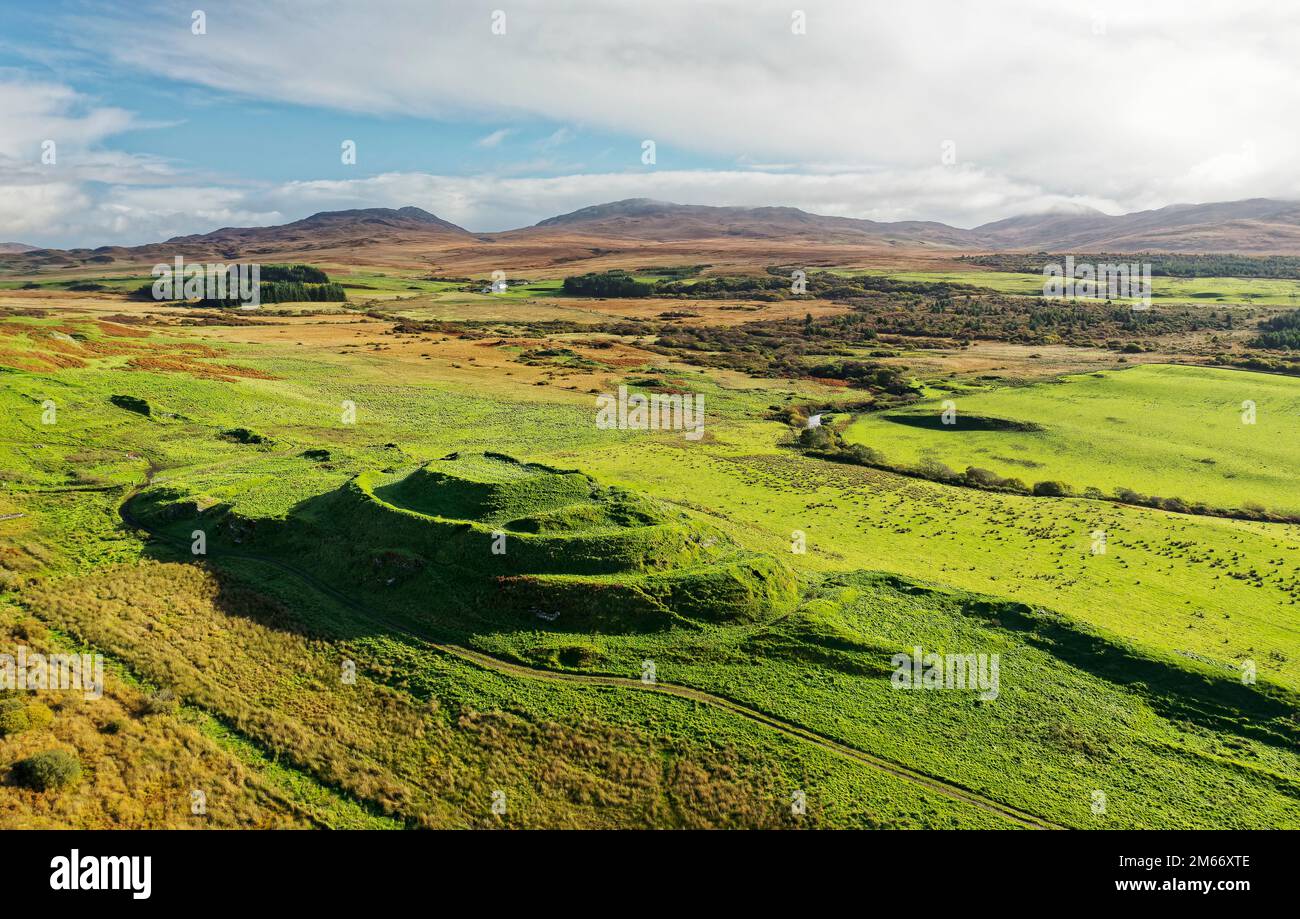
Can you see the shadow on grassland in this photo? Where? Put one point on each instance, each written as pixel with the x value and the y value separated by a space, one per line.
pixel 964 422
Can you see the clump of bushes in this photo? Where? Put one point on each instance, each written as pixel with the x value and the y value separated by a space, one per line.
pixel 820 439
pixel 245 436
pixel 17 716
pixel 607 284
pixel 1281 333
pixel 50 769
pixel 1051 489
pixel 930 468
pixel 1250 510
pixel 977 477
pixel 13 717
pixel 162 702
pixel 867 375
pixel 829 444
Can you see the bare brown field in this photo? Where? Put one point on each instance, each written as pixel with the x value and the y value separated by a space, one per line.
pixel 1020 361
pixel 78 342
pixel 348 335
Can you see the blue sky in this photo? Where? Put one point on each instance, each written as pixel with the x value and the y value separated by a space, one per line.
pixel 941 110
pixel 194 126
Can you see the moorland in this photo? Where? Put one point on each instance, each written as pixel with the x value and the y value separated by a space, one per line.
pixel 366 559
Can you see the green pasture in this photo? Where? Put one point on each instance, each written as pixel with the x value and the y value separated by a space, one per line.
pixel 1165 430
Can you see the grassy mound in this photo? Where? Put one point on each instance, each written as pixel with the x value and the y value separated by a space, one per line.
pixel 494 536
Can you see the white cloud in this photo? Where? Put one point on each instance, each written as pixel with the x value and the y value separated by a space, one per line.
pixel 94 196
pixel 27 212
pixel 35 112
pixel 493 140
pixel 53 168
pixel 1025 89
pixel 1174 100
pixel 557 138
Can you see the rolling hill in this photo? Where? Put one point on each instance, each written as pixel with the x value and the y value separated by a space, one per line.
pixel 325 236
pixel 370 224
pixel 639 230
pixel 645 218
pixel 1257 225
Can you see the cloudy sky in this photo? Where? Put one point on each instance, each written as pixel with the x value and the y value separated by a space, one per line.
pixel 123 123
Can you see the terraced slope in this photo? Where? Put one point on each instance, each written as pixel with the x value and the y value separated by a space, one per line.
pixel 487 532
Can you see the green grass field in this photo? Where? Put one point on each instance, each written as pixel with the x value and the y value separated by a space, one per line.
pixel 382 285
pixel 1170 431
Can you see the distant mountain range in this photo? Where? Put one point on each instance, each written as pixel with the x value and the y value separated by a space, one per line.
pixel 364 225
pixel 644 218
pixel 1256 225
pixel 1260 225
pixel 403 235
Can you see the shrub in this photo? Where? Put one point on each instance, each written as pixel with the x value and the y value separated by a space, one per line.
pixel 1051 489
pixel 930 468
pixel 984 478
pixel 17 716
pixel 48 769
pixel 39 716
pixel 13 716
pixel 868 456
pixel 818 438
pixel 245 436
pixel 789 414
pixel 162 702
